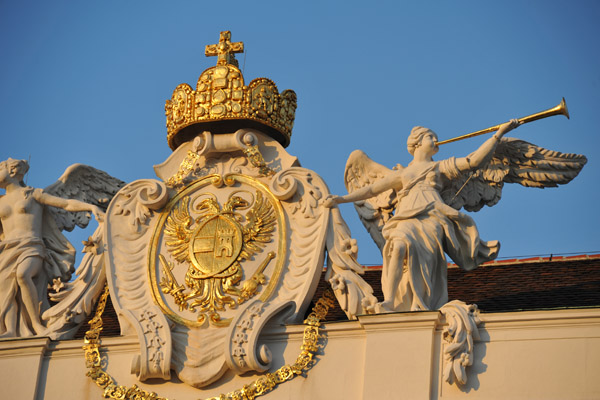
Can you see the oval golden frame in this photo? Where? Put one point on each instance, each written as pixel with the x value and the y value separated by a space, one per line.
pixel 216 181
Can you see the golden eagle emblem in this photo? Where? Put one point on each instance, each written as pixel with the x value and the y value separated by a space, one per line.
pixel 213 244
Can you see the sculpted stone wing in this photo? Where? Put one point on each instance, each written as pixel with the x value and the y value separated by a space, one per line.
pixel 84 183
pixel 514 161
pixel 361 171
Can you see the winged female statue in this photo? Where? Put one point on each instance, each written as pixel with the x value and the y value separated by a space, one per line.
pixel 412 212
pixel 33 252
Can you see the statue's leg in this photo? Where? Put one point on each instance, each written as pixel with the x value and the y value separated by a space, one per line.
pixel 391 274
pixel 26 271
pixel 10 321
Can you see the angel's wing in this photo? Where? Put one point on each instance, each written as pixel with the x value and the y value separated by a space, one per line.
pixel 1 228
pixel 84 183
pixel 514 161
pixel 361 171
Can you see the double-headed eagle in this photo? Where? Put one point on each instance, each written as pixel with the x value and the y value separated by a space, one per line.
pixel 213 245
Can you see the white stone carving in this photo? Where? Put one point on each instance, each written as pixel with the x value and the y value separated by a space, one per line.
pixel 244 353
pixel 155 343
pixel 216 154
pixel 548 354
pixel 412 212
pixel 35 255
pixel 462 321
pixel 354 295
pixel 127 236
pixel 76 299
pixel 304 190
pixel 276 284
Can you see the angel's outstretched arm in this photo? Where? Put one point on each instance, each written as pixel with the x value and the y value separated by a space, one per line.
pixel 391 181
pixel 68 204
pixel 483 153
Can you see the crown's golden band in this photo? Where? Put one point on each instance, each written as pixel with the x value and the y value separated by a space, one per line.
pixel 222 103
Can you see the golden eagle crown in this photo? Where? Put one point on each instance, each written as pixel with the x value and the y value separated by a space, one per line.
pixel 222 103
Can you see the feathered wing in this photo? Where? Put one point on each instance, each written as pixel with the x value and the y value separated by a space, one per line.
pixel 178 232
pixel 261 223
pixel 361 171
pixel 514 161
pixel 84 183
pixel 1 228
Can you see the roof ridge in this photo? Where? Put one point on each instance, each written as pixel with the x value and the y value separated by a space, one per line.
pixel 513 261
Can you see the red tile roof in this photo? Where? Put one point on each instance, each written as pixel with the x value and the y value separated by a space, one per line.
pixel 515 284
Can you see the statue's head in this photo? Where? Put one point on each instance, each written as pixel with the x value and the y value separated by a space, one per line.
pixel 15 168
pixel 416 136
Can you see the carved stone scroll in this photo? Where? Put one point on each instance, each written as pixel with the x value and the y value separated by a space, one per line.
pixel 242 350
pixel 129 217
pixel 462 321
pixel 233 239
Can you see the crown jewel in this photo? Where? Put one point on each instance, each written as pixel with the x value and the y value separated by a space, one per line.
pixel 222 103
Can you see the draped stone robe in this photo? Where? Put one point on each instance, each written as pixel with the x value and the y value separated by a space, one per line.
pixel 422 229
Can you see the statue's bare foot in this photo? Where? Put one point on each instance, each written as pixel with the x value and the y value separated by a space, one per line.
pixel 384 307
pixel 369 304
pixel 43 332
pixel 39 329
pixel 8 334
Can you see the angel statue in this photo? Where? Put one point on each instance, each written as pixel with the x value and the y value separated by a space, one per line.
pixel 33 252
pixel 412 213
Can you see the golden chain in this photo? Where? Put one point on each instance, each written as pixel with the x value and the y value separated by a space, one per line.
pixel 185 168
pixel 256 158
pixel 262 385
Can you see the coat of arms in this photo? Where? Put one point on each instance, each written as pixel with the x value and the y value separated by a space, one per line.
pixel 215 256
pixel 231 237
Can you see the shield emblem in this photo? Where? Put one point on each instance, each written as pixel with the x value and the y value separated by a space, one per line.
pixel 212 249
pixel 215 245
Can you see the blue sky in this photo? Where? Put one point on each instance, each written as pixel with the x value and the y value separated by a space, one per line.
pixel 87 82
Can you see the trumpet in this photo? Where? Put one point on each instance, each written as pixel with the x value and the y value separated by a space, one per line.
pixel 560 109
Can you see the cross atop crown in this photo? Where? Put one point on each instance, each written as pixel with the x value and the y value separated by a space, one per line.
pixel 225 50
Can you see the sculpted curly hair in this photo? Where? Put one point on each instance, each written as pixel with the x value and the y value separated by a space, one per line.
pixel 414 139
pixel 18 167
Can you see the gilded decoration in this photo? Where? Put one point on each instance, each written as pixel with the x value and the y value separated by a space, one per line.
pixel 185 169
pixel 189 166
pixel 200 262
pixel 213 249
pixel 221 96
pixel 256 159
pixel 96 363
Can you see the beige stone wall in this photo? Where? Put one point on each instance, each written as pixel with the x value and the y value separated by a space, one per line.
pixel 521 355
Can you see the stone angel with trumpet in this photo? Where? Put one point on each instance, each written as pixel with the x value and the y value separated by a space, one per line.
pixel 412 212
pixel 34 254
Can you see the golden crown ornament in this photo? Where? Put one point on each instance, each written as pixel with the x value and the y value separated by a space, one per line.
pixel 229 239
pixel 222 103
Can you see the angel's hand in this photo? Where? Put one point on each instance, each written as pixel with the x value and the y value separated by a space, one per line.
pixel 98 213
pixel 507 127
pixel 331 201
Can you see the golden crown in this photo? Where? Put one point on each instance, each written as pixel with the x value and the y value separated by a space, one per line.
pixel 222 103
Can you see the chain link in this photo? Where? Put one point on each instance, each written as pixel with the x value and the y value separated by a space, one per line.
pixel 261 386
